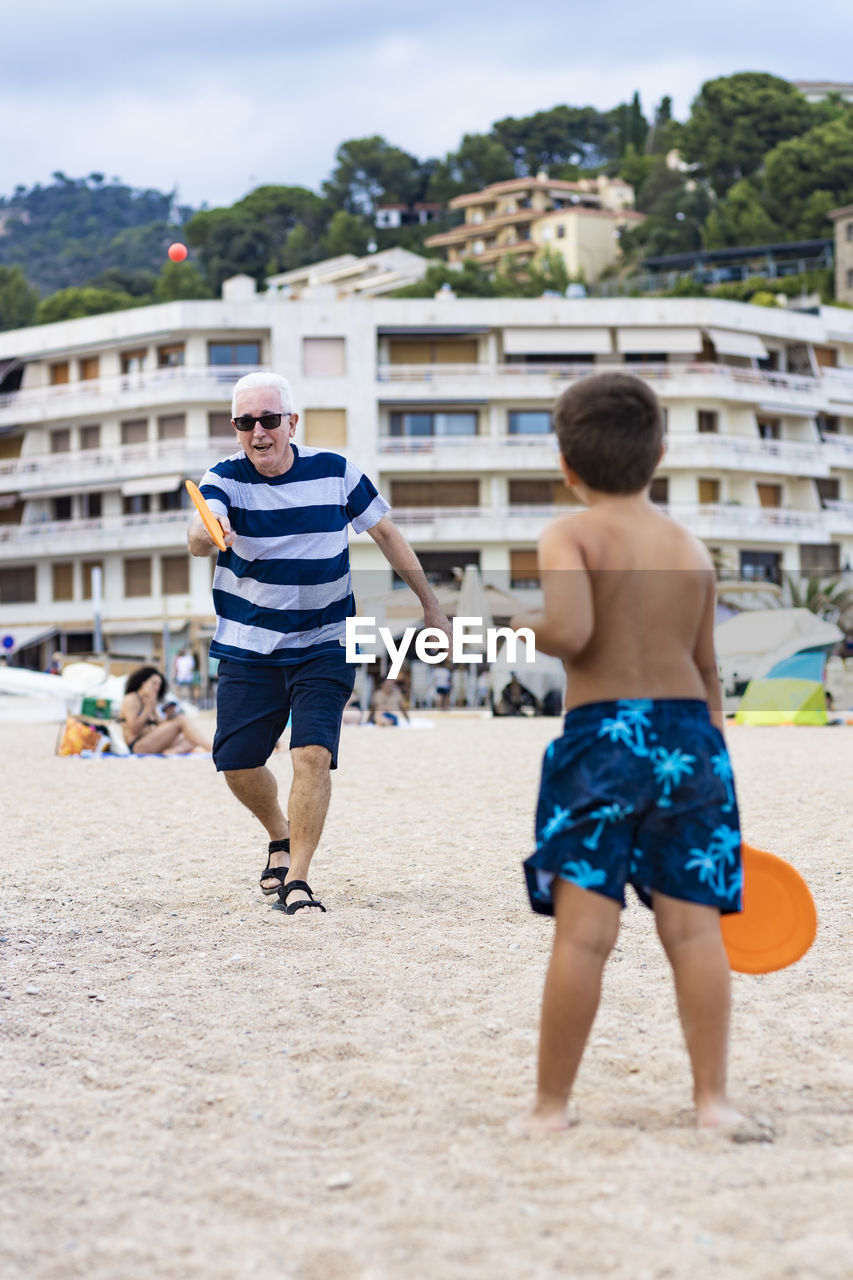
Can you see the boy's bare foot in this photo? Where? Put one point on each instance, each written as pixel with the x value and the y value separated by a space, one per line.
pixel 542 1120
pixel 733 1124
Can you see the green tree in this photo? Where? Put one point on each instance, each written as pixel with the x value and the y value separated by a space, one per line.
pixel 806 176
pixel 346 233
pixel 467 281
pixel 479 161
pixel 547 273
pixel 663 134
pixel 675 224
pixel 71 304
pixel 735 120
pixel 560 140
pixel 369 172
pixel 179 281
pixel 251 236
pixel 18 299
pixel 636 170
pixel 740 219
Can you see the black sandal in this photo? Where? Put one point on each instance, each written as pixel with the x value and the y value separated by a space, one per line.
pixel 275 873
pixel 296 906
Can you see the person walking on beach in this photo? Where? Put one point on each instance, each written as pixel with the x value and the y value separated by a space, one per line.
pixel 635 790
pixel 282 593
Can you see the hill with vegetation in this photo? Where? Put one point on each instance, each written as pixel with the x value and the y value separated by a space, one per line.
pixel 756 163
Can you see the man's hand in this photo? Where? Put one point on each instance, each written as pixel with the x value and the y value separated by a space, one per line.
pixel 434 616
pixel 199 540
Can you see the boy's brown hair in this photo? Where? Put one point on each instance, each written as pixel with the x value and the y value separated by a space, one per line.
pixel 610 430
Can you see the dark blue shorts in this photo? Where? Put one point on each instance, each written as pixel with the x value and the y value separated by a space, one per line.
pixel 641 793
pixel 253 703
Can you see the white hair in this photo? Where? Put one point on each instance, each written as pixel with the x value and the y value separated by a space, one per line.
pixel 251 380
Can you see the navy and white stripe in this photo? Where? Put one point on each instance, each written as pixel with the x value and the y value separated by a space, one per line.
pixel 283 592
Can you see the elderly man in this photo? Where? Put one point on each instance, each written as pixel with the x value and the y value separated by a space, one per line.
pixel 282 594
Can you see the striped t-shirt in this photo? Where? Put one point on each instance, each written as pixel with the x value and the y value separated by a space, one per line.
pixel 282 592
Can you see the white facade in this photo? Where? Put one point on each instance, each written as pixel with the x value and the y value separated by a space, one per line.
pixel 442 401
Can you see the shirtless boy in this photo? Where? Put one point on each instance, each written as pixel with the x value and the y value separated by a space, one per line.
pixel 638 788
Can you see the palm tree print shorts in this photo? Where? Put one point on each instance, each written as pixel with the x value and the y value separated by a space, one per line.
pixel 638 792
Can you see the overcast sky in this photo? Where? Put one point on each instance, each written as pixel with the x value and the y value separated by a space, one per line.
pixel 214 99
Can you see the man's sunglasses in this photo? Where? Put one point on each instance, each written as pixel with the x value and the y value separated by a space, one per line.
pixel 269 421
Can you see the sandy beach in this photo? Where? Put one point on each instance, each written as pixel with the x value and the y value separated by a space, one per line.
pixel 195 1085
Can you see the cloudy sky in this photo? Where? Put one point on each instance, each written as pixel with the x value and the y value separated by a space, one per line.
pixel 214 99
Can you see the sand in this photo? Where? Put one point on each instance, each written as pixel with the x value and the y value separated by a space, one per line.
pixel 195 1085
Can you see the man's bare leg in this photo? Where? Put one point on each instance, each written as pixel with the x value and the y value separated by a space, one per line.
pixel 307 808
pixel 586 927
pixel 257 789
pixel 693 943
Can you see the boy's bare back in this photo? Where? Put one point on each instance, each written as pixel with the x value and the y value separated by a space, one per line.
pixel 634 592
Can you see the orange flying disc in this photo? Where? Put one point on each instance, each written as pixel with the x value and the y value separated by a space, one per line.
pixel 211 524
pixel 778 923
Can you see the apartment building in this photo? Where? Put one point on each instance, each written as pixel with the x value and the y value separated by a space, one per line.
pixel 843 228
pixel 445 402
pixel 580 221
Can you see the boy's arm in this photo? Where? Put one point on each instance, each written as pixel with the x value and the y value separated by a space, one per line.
pixel 563 627
pixel 705 657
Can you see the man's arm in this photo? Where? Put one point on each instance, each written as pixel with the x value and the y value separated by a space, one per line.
pixel 199 540
pixel 563 627
pixel 401 557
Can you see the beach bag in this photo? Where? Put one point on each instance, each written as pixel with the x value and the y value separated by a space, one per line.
pixel 77 736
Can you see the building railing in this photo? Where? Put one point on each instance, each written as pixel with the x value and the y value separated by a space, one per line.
pixel 186 381
pixel 32 532
pixel 429 444
pixel 112 466
pixel 762 380
pixel 752 517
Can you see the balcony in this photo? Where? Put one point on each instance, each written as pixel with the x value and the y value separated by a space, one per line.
pixel 744 453
pixel 166 530
pixel 154 389
pixel 839 516
pixel 109 468
pixel 838 450
pixel 468 453
pixel 710 522
pixel 782 392
pixel 839 386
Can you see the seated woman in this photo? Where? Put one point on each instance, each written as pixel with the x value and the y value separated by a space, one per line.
pixel 146 732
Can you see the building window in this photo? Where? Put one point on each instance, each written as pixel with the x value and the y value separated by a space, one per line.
pixel 61 508
pixel 59 373
pixel 820 558
pixel 659 490
pixel 770 428
pixel 435 493
pixel 176 500
pixel 848 230
pixel 137 576
pixel 90 437
pixel 173 427
pixel 433 424
pixel 828 424
pixel 175 572
pixel 828 490
pixel 323 357
pixel 136 504
pixel 539 493
pixel 234 353
pixel 92 506
pixel 761 566
pixel 432 351
pixel 135 431
pixel 326 428
pixel 18 585
pixel 709 491
pixel 60 441
pixel 646 357
pixel 62 576
pixel 89 368
pixel 443 568
pixel 89 566
pixel 171 357
pixel 133 361
pixel 708 421
pixel 529 422
pixel 850 277
pixel 769 495
pixel 561 231
pixel 523 569
pixel 219 427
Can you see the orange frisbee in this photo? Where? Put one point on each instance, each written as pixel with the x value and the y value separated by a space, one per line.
pixel 211 524
pixel 778 923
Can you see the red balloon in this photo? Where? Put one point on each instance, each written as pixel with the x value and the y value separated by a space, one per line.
pixel 177 252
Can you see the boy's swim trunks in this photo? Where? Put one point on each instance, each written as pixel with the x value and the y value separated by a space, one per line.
pixel 638 792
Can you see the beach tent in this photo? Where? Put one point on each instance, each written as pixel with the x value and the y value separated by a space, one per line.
pixel 782 700
pixel 758 642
